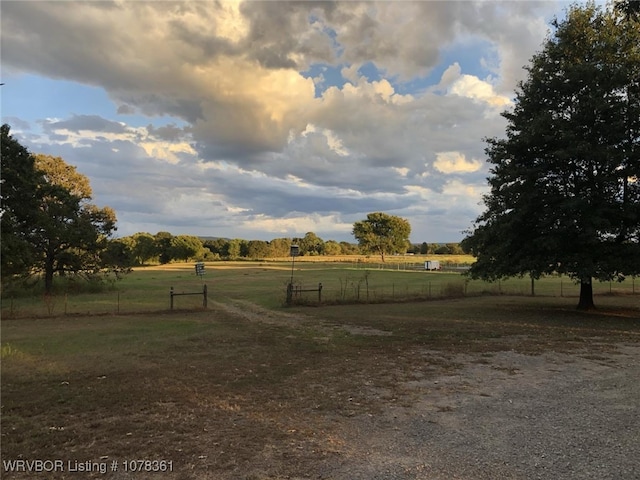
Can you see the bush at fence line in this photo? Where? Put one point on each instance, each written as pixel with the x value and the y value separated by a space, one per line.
pixel 453 289
pixel 33 286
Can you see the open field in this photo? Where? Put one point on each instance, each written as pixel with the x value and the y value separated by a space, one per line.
pixel 495 387
pixel 392 260
pixel 147 289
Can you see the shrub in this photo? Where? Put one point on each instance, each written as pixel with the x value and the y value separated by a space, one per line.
pixel 453 289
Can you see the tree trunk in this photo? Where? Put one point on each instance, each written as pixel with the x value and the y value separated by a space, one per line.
pixel 49 263
pixel 48 277
pixel 533 287
pixel 586 295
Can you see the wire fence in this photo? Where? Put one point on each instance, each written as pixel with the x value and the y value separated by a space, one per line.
pixel 361 289
pixel 338 286
pixel 110 302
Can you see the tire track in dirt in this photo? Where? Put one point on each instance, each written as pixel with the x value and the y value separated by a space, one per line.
pixel 255 313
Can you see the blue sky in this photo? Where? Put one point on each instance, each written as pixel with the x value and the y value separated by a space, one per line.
pixel 260 120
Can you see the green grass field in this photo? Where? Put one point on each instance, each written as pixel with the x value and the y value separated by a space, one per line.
pixel 147 289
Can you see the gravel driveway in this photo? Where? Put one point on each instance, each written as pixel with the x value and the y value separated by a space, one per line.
pixel 505 416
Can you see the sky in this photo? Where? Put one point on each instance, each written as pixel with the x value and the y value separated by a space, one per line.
pixel 268 119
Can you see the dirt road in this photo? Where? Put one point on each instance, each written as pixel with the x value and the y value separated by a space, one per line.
pixel 505 416
pixel 498 415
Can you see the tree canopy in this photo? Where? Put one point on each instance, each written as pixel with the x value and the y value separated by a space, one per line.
pixel 310 244
pixel 49 222
pixel 565 195
pixel 382 234
pixel 629 8
pixel 18 204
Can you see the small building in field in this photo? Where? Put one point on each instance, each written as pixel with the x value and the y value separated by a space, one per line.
pixel 431 265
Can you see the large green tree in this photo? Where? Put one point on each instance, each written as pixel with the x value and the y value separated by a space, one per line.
pixel 233 248
pixel 144 247
pixel 185 247
pixel 18 205
pixel 257 249
pixel 49 225
pixel 565 195
pixel 163 246
pixel 310 244
pixel 382 234
pixel 331 248
pixel 70 232
pixel 279 247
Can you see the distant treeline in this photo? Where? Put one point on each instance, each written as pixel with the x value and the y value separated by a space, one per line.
pixel 163 247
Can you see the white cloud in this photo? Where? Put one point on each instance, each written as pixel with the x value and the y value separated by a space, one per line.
pixel 229 21
pixel 335 144
pixel 297 225
pixel 472 87
pixel 330 138
pixel 450 75
pixel 167 151
pixel 455 162
pixel 83 135
pixel 459 190
pixel 403 172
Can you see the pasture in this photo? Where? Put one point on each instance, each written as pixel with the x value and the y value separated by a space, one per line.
pixel 344 281
pixel 251 389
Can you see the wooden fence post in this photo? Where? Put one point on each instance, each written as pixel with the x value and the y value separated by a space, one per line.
pixel 171 295
pixel 204 296
pixel 319 292
pixel 289 293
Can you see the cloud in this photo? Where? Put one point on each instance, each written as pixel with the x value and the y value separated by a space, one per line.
pixel 87 123
pixel 455 162
pixel 126 110
pixel 232 69
pixel 17 124
pixel 472 87
pixel 449 76
pixel 297 225
pixel 252 140
pixel 169 132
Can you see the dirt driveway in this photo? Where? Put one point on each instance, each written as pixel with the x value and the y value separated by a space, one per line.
pixel 506 416
pixel 499 415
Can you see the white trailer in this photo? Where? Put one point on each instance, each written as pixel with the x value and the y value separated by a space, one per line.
pixel 431 265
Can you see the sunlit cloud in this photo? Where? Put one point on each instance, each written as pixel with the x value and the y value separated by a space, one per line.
pixel 455 162
pixel 251 119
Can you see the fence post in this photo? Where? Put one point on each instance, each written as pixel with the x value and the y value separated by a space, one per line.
pixel 204 296
pixel 319 292
pixel 289 293
pixel 171 295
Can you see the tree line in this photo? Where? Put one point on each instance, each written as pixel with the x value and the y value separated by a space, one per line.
pixel 145 248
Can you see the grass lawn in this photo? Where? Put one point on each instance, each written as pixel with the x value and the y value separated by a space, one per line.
pixel 147 289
